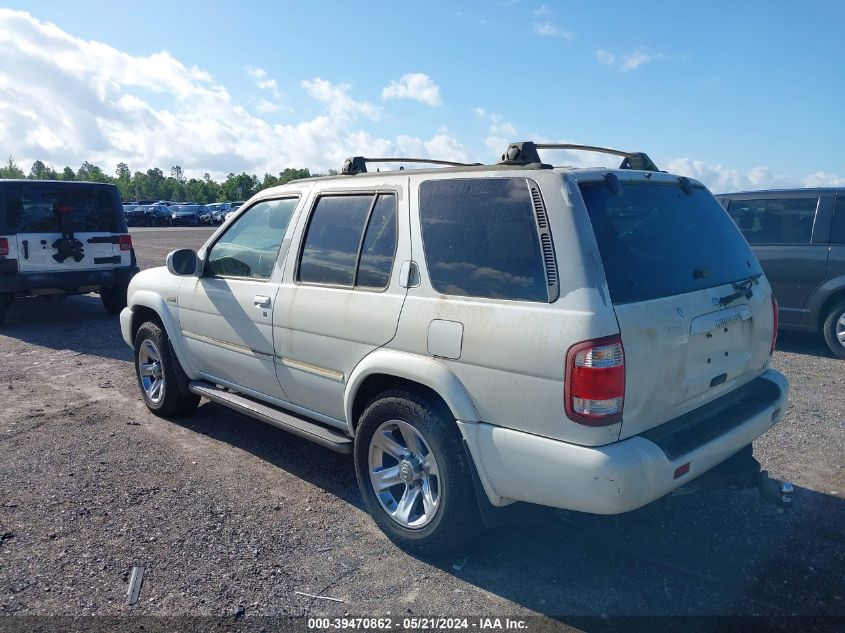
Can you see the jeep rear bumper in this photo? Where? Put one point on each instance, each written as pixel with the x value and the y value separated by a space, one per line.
pixel 611 479
pixel 70 282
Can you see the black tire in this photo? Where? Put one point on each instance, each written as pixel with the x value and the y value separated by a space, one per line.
pixel 5 302
pixel 113 298
pixel 830 327
pixel 173 402
pixel 456 519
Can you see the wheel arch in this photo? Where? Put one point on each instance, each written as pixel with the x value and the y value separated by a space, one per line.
pixel 149 306
pixel 388 369
pixel 836 296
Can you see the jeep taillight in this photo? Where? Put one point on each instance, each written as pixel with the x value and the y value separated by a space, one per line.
pixel 4 247
pixel 594 388
pixel 775 324
pixel 125 242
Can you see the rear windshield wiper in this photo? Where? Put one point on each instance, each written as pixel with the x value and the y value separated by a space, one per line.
pixel 742 288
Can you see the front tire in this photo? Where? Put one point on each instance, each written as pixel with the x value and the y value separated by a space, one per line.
pixel 155 368
pixel 834 330
pixel 113 298
pixel 414 475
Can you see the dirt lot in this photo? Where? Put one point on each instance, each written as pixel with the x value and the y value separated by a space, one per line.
pixel 230 515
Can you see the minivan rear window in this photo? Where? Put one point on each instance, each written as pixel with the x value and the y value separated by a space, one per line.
pixel 657 241
pixel 36 210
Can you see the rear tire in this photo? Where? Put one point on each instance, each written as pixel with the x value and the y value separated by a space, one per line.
pixel 155 369
pixel 5 303
pixel 834 330
pixel 435 472
pixel 113 298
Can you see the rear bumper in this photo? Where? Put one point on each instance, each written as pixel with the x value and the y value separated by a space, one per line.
pixel 68 281
pixel 619 477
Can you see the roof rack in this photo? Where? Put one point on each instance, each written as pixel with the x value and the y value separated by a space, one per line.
pixel 358 164
pixel 525 153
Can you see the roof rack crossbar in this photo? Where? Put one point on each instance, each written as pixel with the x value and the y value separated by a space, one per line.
pixel 358 164
pixel 525 153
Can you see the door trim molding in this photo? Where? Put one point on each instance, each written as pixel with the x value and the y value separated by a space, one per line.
pixel 234 347
pixel 323 372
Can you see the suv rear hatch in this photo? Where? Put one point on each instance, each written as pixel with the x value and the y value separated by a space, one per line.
pixel 66 226
pixel 694 309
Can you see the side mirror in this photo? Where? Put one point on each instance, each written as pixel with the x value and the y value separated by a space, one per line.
pixel 182 262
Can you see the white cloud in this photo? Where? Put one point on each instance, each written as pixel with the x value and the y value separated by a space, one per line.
pixel 722 179
pixel 635 59
pixel 414 86
pixel 547 29
pixel 608 59
pixel 65 99
pixel 479 112
pixel 627 61
pixel 543 11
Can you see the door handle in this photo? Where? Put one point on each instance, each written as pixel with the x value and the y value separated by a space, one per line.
pixel 260 301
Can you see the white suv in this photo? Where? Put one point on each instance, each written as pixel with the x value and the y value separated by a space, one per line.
pixel 589 339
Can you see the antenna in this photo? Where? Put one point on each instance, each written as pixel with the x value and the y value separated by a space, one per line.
pixel 525 153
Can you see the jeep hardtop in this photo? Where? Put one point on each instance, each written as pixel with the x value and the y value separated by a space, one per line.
pixel 476 335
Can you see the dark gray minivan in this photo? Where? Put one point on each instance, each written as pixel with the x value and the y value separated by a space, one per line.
pixel 798 236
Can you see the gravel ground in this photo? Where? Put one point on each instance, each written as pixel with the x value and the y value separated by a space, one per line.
pixel 229 515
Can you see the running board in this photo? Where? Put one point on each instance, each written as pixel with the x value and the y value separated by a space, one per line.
pixel 306 429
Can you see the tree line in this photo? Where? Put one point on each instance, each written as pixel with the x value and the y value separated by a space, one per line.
pixel 154 185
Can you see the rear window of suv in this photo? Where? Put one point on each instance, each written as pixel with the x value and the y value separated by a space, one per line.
pixel 36 210
pixel 657 241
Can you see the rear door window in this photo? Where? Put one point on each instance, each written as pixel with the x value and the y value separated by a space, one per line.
pixel 775 220
pixel 350 241
pixel 481 239
pixel 37 209
pixel 657 241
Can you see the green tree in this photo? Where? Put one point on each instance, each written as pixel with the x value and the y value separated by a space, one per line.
pixel 91 173
pixel 238 187
pixel 40 171
pixel 124 181
pixel 11 170
pixel 67 174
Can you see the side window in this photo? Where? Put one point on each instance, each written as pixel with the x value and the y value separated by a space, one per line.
pixel 331 244
pixel 350 241
pixel 481 240
pixel 837 228
pixel 250 247
pixel 775 221
pixel 379 245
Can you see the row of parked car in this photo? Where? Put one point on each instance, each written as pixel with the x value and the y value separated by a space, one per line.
pixel 168 213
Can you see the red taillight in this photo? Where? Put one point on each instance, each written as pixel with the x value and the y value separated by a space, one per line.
pixel 4 247
pixel 594 390
pixel 125 242
pixel 775 323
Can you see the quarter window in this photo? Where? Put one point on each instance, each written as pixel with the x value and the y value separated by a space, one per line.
pixel 379 245
pixel 775 220
pixel 480 239
pixel 339 251
pixel 250 247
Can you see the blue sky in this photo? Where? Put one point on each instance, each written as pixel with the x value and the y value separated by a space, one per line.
pixel 739 94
